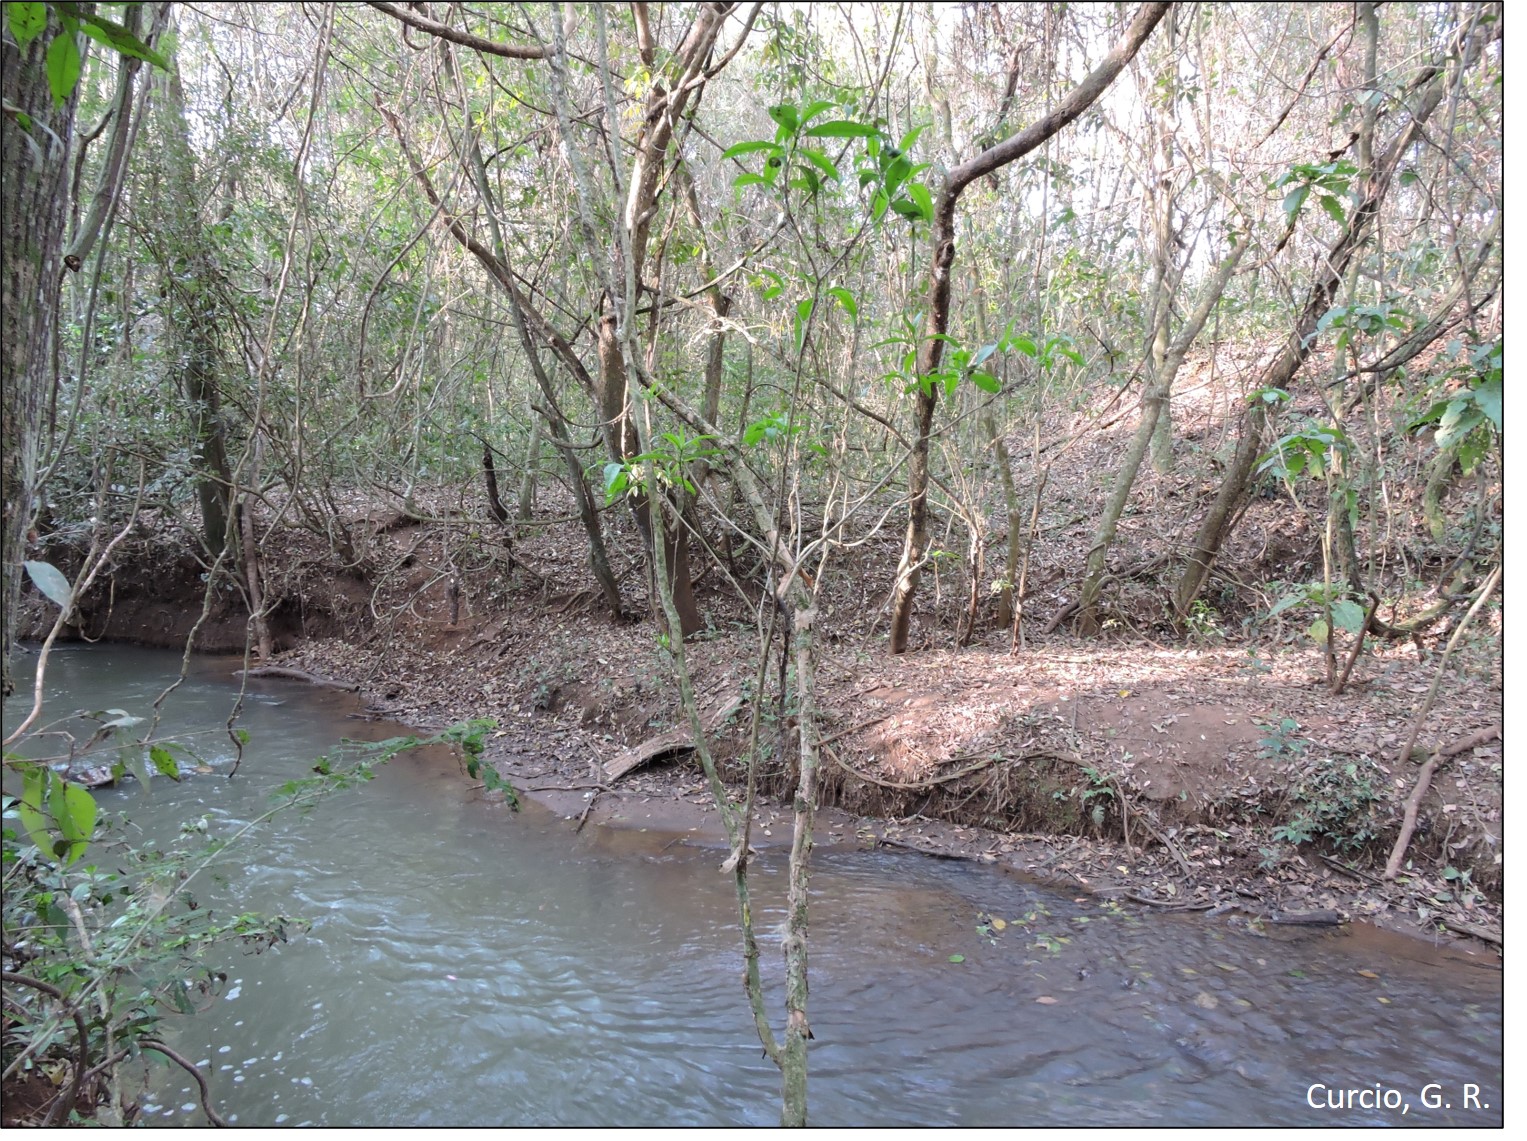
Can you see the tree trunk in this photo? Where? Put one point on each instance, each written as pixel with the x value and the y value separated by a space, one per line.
pixel 930 350
pixel 193 315
pixel 1156 397
pixel 532 463
pixel 34 213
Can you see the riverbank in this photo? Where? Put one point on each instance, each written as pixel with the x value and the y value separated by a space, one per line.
pixel 1221 776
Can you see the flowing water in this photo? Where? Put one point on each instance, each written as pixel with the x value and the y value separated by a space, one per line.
pixel 470 966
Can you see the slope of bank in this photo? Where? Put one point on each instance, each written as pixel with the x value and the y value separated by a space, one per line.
pixel 1211 777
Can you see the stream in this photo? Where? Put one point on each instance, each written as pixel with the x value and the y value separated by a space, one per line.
pixel 466 965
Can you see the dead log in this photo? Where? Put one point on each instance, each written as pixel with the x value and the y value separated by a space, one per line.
pixel 296 675
pixel 669 744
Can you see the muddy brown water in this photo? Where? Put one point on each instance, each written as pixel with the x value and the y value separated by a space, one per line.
pixel 469 966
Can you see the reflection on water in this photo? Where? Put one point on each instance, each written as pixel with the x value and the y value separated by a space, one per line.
pixel 467 966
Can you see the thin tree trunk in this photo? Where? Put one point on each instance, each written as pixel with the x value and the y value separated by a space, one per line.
pixel 930 350
pixel 532 465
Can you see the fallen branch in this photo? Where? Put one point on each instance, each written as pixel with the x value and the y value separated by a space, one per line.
pixel 1349 870
pixel 851 730
pixel 1470 741
pixel 296 675
pixel 1493 937
pixel 1424 780
pixel 587 808
pixel 890 842
pixel 1167 904
pixel 1061 615
pixel 1166 842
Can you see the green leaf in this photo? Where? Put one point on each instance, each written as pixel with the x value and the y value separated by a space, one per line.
pixel 749 148
pixel 1461 418
pixel 802 316
pixel 1332 206
pixel 617 477
pixel 1470 452
pixel 922 198
pixel 820 161
pixel 1488 397
pixel 78 820
pixel 114 35
pixel 956 958
pixel 879 204
pixel 63 66
pixel 164 764
pixel 36 784
pixel 1347 615
pixel 1297 598
pixel 1294 200
pixel 1319 630
pixel 770 292
pixel 138 766
pixel 1024 345
pixel 748 178
pixel 51 581
pixel 787 116
pixel 986 382
pixel 907 209
pixel 841 129
pixel 816 108
pixel 845 299
pixel 27 21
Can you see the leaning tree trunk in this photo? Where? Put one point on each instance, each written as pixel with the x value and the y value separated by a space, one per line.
pixel 34 215
pixel 1157 395
pixel 930 350
pixel 1213 530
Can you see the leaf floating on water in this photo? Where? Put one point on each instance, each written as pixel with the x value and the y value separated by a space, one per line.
pixel 1046 1000
pixel 1189 971
pixel 956 958
pixel 1205 1000
pixel 1368 974
pixel 1227 966
pixel 999 924
pixel 1384 1000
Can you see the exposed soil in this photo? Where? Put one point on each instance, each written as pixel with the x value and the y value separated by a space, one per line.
pixel 1215 773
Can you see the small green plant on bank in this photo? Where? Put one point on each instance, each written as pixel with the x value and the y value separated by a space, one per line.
pixel 1100 789
pixel 1280 740
pixel 1336 803
pixel 1204 623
